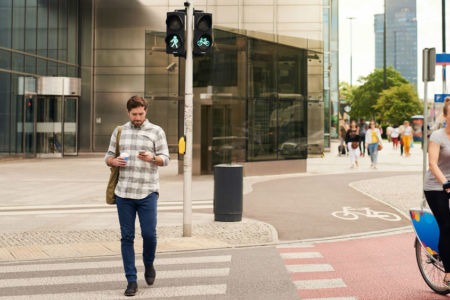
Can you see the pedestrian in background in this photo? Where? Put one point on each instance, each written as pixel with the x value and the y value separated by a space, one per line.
pixel 437 188
pixel 394 137
pixel 407 137
pixel 342 133
pixel 137 190
pixel 352 139
pixel 373 138
pixel 389 133
pixel 362 137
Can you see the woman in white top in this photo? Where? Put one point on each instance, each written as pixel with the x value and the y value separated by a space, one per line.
pixel 373 138
pixel 394 137
pixel 407 136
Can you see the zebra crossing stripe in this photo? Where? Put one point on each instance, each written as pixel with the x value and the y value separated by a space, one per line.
pixel 319 284
pixel 292 255
pixel 144 293
pixel 309 268
pixel 110 264
pixel 80 279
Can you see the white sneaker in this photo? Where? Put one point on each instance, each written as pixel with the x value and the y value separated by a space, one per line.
pixel 352 166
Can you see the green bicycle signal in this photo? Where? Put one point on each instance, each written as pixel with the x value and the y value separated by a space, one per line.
pixel 203 42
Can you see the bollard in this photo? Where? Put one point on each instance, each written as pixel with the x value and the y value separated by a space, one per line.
pixel 228 192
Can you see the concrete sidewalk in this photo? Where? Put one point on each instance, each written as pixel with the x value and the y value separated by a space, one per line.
pixel 30 230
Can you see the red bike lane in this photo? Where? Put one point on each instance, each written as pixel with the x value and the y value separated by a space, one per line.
pixel 371 268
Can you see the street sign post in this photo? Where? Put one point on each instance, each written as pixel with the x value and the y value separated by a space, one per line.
pixel 428 71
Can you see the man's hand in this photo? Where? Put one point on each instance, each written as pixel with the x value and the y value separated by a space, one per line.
pixel 118 162
pixel 146 157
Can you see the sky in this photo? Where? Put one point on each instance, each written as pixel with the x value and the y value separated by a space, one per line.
pixel 429 35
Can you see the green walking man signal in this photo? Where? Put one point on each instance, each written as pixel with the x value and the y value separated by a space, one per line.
pixel 174 42
pixel 175 33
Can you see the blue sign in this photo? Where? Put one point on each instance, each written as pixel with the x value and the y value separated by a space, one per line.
pixel 439 98
pixel 443 59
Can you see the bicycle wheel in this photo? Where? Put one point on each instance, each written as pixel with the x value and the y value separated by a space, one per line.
pixel 345 215
pixel 431 269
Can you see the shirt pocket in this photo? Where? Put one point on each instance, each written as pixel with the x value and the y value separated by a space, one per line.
pixel 147 139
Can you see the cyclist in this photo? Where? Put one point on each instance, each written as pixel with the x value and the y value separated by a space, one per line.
pixel 437 187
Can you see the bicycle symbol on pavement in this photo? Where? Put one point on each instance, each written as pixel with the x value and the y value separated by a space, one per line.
pixel 349 213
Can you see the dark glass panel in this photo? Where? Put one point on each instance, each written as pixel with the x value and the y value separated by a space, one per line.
pixel 262 73
pixel 52 69
pixel 42 35
pixel 5 101
pixel 30 64
pixel 53 29
pixel 17 108
pixel 62 70
pixel 72 32
pixel 5 23
pixel 18 38
pixel 62 32
pixel 18 63
pixel 41 67
pixel 5 59
pixel 30 26
pixel 262 129
pixel 72 71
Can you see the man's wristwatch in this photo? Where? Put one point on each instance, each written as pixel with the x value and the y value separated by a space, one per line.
pixel 154 159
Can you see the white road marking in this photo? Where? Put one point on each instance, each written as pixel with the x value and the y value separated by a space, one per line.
pixel 296 245
pixel 144 293
pixel 110 264
pixel 319 284
pixel 89 210
pixel 81 206
pixel 309 268
pixel 291 255
pixel 332 298
pixel 119 277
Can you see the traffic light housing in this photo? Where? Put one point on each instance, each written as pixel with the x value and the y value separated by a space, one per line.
pixel 175 31
pixel 202 33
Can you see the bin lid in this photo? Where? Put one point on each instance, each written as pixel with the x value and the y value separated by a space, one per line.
pixel 228 166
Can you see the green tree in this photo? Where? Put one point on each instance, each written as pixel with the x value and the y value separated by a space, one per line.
pixel 346 92
pixel 365 96
pixel 398 103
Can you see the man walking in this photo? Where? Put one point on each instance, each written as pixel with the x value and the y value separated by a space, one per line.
pixel 362 135
pixel 138 186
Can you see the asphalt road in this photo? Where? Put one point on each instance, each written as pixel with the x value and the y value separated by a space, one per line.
pixel 302 207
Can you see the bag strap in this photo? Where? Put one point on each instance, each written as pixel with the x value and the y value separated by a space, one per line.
pixel 119 132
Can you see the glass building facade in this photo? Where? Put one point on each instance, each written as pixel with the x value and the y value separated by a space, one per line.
pixel 37 38
pixel 401 38
pixel 264 96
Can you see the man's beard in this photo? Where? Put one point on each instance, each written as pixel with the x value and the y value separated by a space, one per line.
pixel 137 123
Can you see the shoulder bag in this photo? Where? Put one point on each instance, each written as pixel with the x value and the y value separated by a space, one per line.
pixel 114 176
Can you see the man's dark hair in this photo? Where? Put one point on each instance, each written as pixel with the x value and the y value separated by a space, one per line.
pixel 137 101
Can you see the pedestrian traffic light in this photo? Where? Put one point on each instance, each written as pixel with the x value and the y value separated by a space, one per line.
pixel 175 33
pixel 202 33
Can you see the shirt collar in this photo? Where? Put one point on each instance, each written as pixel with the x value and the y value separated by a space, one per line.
pixel 143 126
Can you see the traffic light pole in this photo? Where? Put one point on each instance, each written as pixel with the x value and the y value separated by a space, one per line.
pixel 188 116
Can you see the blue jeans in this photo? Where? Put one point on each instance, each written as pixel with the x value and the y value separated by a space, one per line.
pixel 373 150
pixel 146 209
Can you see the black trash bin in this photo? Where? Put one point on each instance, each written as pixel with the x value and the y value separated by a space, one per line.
pixel 228 192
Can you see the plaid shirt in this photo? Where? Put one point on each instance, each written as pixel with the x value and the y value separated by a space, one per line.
pixel 138 178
